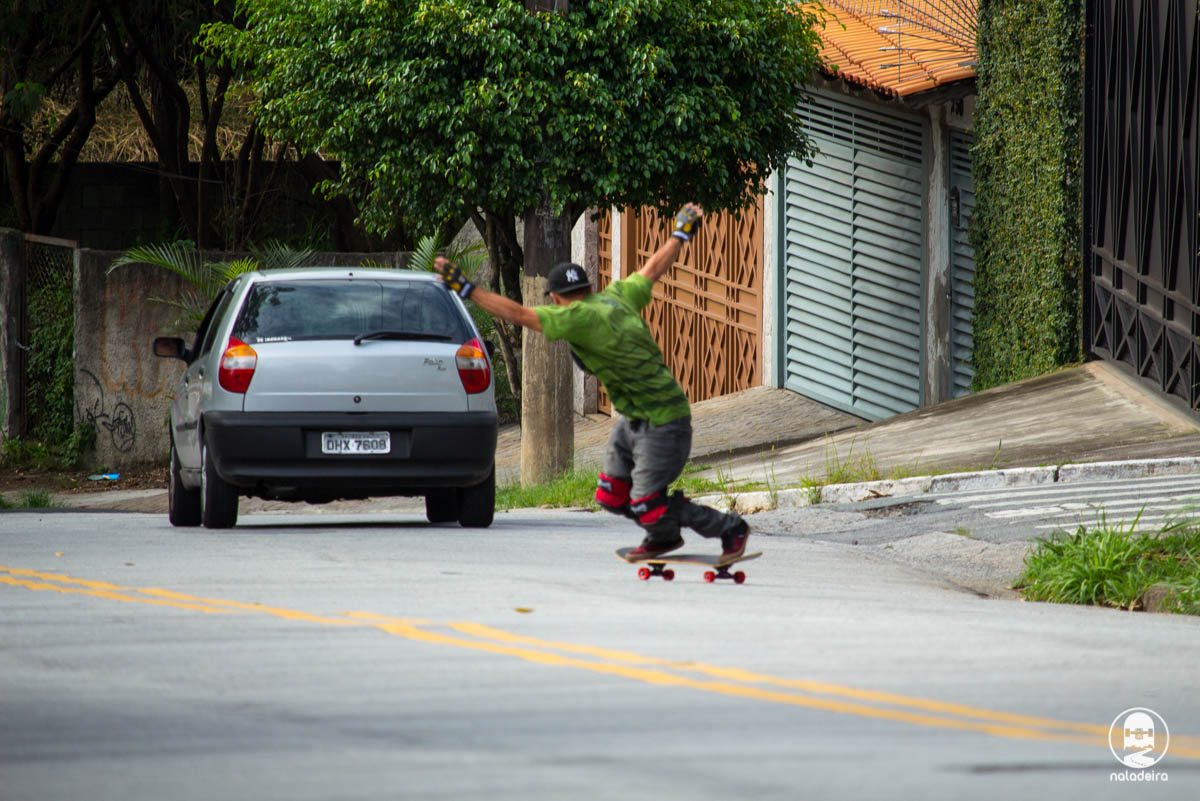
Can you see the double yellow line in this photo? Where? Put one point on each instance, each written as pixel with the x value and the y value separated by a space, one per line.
pixel 730 682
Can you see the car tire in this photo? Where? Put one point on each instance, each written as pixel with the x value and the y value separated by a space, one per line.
pixel 218 499
pixel 183 504
pixel 477 504
pixel 441 507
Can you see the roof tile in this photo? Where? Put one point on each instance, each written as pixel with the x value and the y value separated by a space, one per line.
pixel 901 47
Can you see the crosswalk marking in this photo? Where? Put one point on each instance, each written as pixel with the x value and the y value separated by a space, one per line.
pixel 1082 489
pixel 1140 504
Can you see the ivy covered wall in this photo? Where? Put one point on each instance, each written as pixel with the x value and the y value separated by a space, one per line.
pixel 1027 170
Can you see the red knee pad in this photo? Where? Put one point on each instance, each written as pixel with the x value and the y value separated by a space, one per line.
pixel 649 510
pixel 612 493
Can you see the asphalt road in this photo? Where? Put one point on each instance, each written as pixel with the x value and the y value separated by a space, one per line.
pixel 377 657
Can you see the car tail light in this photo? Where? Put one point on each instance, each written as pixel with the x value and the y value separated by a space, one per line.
pixel 237 366
pixel 473 367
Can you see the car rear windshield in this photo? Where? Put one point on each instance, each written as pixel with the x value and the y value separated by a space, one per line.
pixel 281 311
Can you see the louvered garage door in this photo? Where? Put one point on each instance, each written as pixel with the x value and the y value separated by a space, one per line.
pixel 851 254
pixel 962 264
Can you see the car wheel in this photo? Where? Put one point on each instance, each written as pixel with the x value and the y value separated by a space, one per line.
pixel 441 507
pixel 218 500
pixel 183 504
pixel 477 504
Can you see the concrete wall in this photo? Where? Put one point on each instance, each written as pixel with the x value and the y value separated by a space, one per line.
pixel 120 385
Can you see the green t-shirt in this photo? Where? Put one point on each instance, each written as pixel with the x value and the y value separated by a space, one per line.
pixel 606 331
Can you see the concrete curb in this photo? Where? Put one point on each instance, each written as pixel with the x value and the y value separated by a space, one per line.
pixel 761 501
pixel 915 486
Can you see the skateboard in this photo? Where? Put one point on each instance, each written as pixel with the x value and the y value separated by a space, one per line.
pixel 658 565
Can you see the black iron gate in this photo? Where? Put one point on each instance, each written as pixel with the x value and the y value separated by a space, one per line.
pixel 1141 187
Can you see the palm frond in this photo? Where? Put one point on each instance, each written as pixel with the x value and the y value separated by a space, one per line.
pixel 275 255
pixel 426 252
pixel 469 258
pixel 181 258
pixel 231 269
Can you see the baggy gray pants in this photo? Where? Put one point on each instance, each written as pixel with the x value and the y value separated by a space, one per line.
pixel 651 457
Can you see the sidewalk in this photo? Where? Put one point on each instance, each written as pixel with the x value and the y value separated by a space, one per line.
pixel 1089 414
pixel 1092 414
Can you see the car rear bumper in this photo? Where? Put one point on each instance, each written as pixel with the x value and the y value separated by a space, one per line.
pixel 429 450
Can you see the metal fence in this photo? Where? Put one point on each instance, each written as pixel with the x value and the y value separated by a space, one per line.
pixel 48 316
pixel 1141 193
pixel 707 313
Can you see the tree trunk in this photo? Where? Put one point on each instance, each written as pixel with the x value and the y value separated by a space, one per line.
pixel 547 397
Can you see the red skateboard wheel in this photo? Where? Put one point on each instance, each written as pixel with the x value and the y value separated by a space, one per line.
pixel 644 573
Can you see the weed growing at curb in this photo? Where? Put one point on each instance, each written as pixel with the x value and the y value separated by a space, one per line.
pixel 768 465
pixel 1110 565
pixel 32 499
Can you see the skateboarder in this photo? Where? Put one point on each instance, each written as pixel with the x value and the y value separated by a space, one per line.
pixel 652 437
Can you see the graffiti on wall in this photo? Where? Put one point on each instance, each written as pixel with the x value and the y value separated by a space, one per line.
pixel 118 421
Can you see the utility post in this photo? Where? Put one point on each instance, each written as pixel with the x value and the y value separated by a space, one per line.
pixel 547 394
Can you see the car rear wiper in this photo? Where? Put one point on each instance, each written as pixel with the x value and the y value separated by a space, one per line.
pixel 404 335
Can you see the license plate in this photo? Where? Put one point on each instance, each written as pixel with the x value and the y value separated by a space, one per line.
pixel 356 443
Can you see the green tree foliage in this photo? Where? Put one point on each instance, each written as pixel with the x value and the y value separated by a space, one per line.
pixel 438 109
pixel 1027 169
pixel 444 110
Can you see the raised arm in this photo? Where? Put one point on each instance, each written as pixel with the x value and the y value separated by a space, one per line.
pixel 687 222
pixel 490 302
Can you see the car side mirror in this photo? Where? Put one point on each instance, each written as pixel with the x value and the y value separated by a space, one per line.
pixel 170 347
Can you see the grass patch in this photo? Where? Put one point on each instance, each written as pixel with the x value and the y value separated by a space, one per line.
pixel 574 489
pixel 30 499
pixel 36 499
pixel 1111 565
pixel 577 489
pixel 848 469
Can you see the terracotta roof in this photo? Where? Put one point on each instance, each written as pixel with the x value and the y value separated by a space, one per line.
pixel 900 47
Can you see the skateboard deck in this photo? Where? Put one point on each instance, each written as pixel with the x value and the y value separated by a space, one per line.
pixel 658 565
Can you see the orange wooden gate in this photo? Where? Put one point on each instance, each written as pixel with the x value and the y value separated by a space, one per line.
pixel 707 311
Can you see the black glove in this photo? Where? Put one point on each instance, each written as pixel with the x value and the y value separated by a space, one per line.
pixel 687 223
pixel 454 278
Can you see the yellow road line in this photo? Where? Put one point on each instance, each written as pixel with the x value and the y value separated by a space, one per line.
pixel 821 688
pixel 663 678
pixel 159 597
pixel 108 594
pixel 733 682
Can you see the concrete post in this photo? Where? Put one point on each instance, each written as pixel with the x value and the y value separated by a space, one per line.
pixel 938 372
pixel 585 243
pixel 13 294
pixel 772 376
pixel 547 396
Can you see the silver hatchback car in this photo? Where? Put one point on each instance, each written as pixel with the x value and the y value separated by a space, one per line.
pixel 319 384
